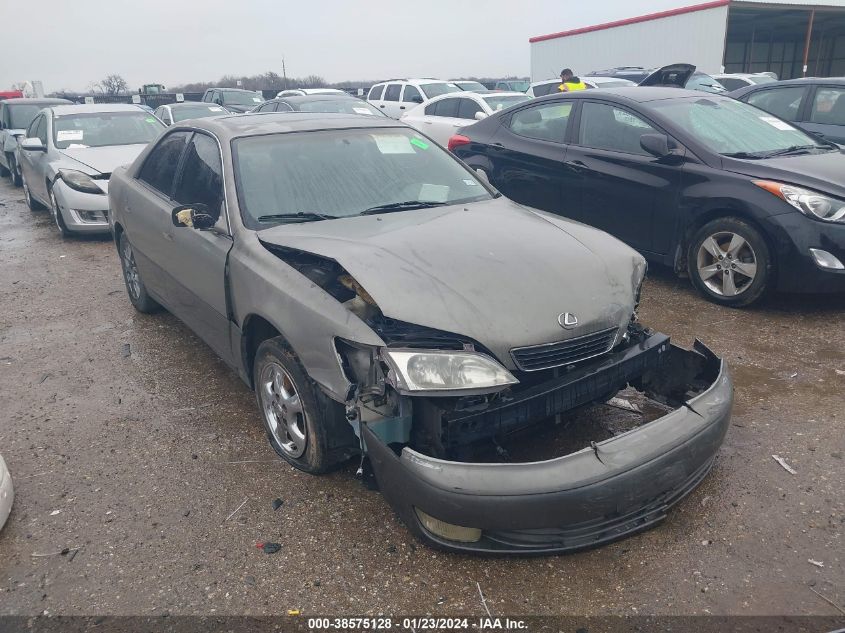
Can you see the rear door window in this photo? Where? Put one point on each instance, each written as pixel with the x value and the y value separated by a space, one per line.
pixel 828 106
pixel 392 92
pixel 547 122
pixel 468 108
pixel 784 102
pixel 447 108
pixel 159 168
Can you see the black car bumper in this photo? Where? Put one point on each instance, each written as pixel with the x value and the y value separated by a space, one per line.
pixel 797 271
pixel 581 500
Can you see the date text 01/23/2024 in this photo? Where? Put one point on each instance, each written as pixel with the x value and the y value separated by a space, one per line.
pixel 415 624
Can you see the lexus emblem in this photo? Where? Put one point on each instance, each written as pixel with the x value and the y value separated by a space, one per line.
pixel 567 320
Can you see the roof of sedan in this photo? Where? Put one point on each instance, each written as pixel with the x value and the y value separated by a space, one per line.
pixel 89 108
pixel 35 101
pixel 324 96
pixel 279 122
pixel 181 104
pixel 637 94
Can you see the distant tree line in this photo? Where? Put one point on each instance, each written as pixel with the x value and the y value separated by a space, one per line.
pixel 115 84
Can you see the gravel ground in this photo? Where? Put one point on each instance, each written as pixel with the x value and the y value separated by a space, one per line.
pixel 128 439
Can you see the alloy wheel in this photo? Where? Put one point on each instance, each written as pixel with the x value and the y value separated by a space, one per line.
pixel 726 263
pixel 130 270
pixel 54 211
pixel 282 407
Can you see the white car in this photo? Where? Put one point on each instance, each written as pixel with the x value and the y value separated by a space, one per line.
pixel 7 493
pixel 301 92
pixel 396 96
pixel 443 116
pixel 549 86
pixel 735 81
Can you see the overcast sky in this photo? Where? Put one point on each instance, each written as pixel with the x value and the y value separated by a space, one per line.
pixel 68 44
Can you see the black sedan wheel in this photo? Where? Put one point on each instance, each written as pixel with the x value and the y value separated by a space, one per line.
pixel 729 261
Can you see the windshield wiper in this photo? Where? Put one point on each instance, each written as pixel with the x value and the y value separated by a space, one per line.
pixel 302 216
pixel 745 155
pixel 792 149
pixel 402 206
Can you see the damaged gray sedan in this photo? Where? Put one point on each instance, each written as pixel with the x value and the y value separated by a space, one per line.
pixel 387 305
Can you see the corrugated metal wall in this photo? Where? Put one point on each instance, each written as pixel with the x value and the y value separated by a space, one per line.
pixel 696 38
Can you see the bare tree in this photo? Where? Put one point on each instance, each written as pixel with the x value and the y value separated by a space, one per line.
pixel 114 85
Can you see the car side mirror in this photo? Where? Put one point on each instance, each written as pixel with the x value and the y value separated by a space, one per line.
pixel 33 144
pixel 417 99
pixel 480 116
pixel 655 144
pixel 197 216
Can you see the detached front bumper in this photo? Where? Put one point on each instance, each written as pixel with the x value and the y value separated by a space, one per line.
pixel 83 212
pixel 599 494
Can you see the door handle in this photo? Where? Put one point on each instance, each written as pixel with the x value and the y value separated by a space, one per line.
pixel 381 106
pixel 401 107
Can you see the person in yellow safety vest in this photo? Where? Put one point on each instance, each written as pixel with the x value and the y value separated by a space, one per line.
pixel 569 82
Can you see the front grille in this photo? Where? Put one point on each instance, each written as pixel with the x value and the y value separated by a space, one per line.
pixel 550 355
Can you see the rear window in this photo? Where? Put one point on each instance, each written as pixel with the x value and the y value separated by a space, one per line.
pixel 343 106
pixel 436 89
pixel 197 111
pixel 500 103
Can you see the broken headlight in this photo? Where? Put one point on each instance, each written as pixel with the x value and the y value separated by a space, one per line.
pixel 446 370
pixel 79 181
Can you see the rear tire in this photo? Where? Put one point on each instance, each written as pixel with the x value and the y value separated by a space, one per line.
pixel 135 288
pixel 730 263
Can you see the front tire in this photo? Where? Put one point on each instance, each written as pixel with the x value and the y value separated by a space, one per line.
pixel 305 427
pixel 730 263
pixel 135 288
pixel 31 202
pixel 57 214
pixel 15 170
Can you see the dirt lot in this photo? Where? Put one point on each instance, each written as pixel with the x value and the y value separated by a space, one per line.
pixel 128 439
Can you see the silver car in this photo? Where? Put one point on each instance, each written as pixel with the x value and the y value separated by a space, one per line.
pixel 68 156
pixel 174 112
pixel 15 117
pixel 386 304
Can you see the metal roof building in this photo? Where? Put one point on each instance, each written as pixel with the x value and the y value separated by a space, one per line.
pixel 792 38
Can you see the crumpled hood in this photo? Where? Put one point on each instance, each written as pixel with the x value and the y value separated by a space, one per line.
pixel 492 271
pixel 104 159
pixel 821 172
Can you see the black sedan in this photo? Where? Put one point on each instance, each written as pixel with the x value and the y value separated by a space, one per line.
pixel 815 105
pixel 328 103
pixel 738 199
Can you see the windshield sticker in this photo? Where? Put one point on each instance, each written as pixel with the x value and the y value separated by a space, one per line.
pixel 363 110
pixel 393 143
pixel 777 123
pixel 215 109
pixel 469 182
pixel 77 146
pixel 434 193
pixel 152 120
pixel 257 99
pixel 419 143
pixel 68 135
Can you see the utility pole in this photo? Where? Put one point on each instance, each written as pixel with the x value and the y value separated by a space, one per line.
pixel 284 74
